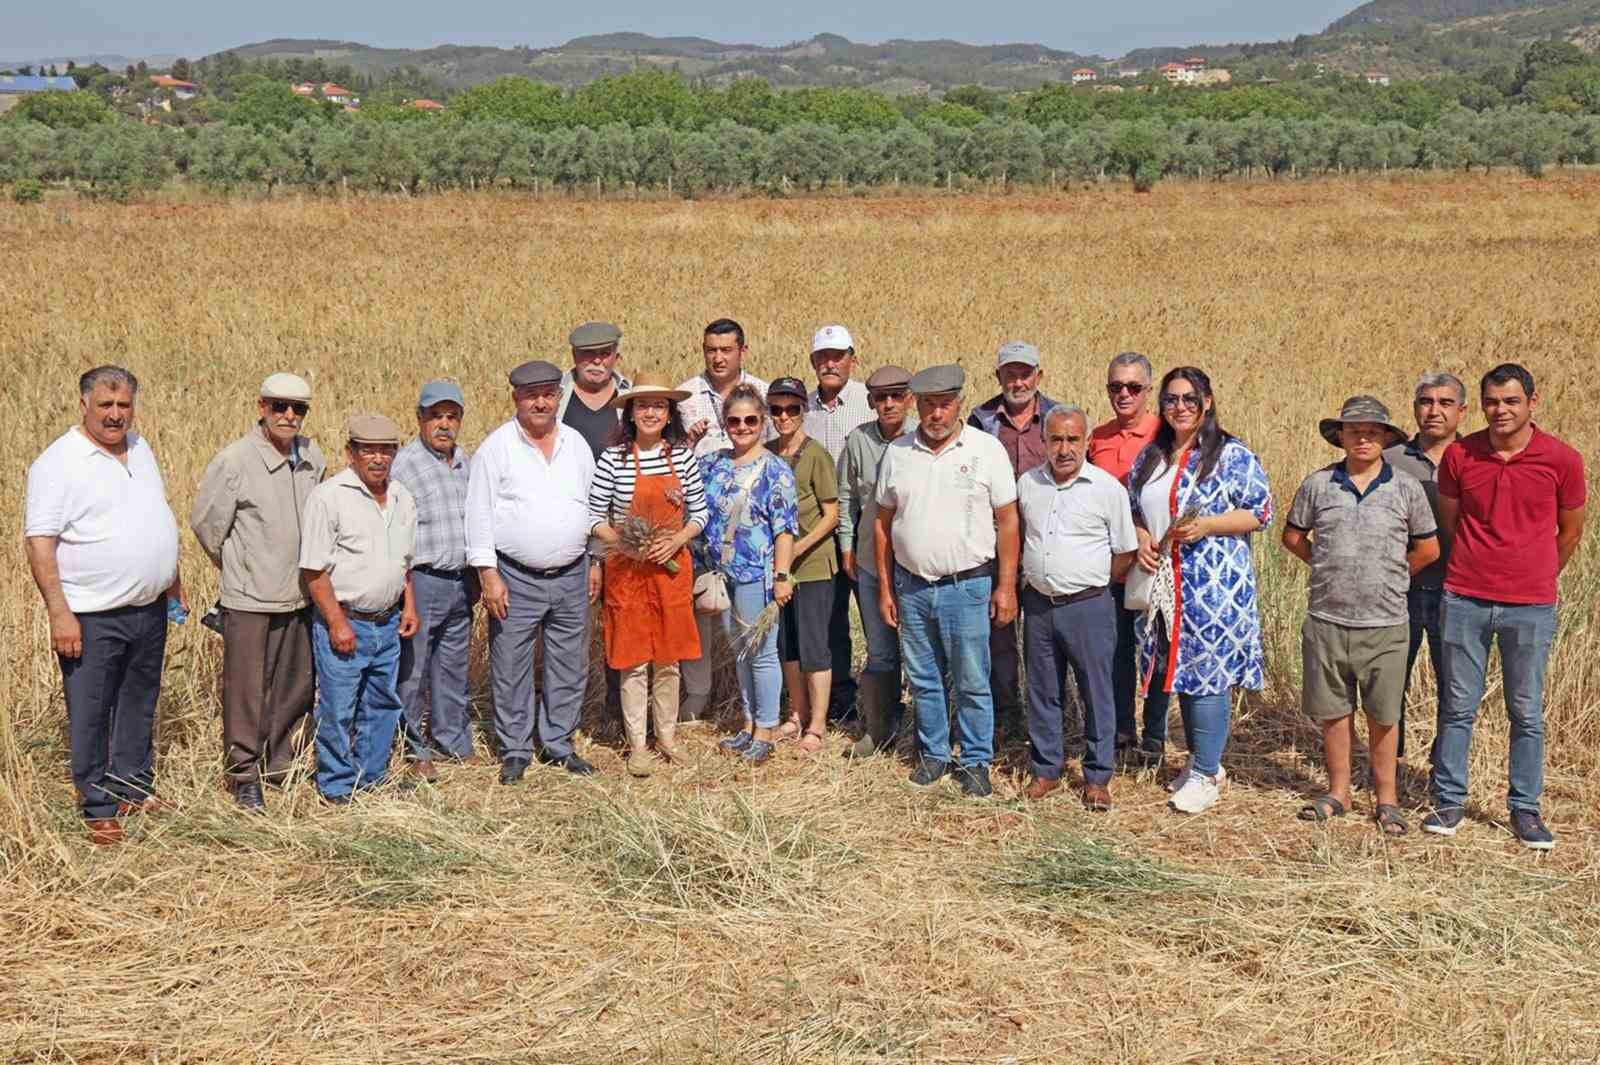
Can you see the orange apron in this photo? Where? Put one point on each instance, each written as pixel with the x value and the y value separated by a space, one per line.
pixel 648 612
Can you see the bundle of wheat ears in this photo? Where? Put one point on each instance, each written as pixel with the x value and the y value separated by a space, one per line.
pixel 1163 586
pixel 637 535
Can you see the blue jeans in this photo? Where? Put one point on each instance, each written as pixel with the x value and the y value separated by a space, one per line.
pixel 1206 718
pixel 760 675
pixel 358 706
pixel 1422 608
pixel 945 628
pixel 1468 627
pixel 883 643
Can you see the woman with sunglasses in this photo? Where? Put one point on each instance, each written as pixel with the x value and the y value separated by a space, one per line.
pixel 649 478
pixel 804 625
pixel 1198 493
pixel 752 519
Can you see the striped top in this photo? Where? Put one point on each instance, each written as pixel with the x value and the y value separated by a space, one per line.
pixel 612 492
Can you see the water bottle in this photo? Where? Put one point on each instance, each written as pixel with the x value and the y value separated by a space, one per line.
pixel 175 612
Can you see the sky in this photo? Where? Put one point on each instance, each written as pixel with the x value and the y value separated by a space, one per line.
pixel 194 28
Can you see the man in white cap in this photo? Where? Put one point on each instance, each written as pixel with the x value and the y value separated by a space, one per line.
pixel 246 517
pixel 103 547
pixel 356 545
pixel 1015 417
pixel 433 663
pixel 837 407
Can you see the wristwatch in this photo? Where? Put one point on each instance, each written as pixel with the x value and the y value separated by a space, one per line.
pixel 780 575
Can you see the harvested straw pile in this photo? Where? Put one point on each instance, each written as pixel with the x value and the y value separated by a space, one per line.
pixel 812 911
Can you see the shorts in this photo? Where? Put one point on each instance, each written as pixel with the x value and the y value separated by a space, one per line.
pixel 803 626
pixel 1340 662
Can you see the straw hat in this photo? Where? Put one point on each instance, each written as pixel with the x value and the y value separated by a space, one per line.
pixel 650 386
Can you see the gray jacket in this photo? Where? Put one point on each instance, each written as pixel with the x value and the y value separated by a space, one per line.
pixel 858 490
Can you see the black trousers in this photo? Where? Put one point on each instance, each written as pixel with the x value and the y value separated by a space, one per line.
pixel 841 649
pixel 112 690
pixel 1125 668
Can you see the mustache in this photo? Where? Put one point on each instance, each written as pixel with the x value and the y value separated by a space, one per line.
pixel 448 434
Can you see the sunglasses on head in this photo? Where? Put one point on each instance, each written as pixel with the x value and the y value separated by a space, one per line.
pixel 278 406
pixel 1187 399
pixel 788 410
pixel 742 421
pixel 1133 388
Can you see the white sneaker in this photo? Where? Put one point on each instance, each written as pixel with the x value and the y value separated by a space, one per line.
pixel 1177 782
pixel 1199 793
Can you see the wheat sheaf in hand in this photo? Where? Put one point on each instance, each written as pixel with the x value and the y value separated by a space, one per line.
pixel 1164 584
pixel 637 535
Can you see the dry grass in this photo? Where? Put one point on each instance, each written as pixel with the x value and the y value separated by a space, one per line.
pixel 814 912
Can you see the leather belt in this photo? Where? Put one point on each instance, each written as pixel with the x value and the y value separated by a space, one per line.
pixel 442 574
pixel 982 570
pixel 541 574
pixel 1064 600
pixel 374 617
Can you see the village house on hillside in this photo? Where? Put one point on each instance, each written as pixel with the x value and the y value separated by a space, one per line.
pixel 13 87
pixel 183 90
pixel 1083 74
pixel 328 91
pixel 427 105
pixel 1375 77
pixel 1195 71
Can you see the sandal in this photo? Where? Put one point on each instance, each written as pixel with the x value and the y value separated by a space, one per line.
pixel 807 747
pixel 1389 820
pixel 789 730
pixel 1322 809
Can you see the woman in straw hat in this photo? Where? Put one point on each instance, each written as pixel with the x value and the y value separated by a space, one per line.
pixel 647 502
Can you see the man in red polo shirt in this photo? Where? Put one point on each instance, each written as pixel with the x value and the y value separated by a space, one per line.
pixel 1113 446
pixel 1513 495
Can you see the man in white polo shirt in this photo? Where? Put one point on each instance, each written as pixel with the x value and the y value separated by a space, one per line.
pixel 528 537
pixel 947 571
pixel 103 547
pixel 1079 537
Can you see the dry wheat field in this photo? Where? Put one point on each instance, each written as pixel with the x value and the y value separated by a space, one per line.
pixel 813 912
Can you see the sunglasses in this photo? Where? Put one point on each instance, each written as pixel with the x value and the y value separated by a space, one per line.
pixel 791 410
pixel 884 397
pixel 1133 388
pixel 278 406
pixel 1190 400
pixel 746 421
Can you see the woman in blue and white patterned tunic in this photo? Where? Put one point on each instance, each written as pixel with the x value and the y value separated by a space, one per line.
pixel 1197 494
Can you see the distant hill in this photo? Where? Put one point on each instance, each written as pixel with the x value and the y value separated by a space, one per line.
pixel 1403 12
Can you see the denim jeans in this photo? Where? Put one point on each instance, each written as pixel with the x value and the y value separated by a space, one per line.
pixel 883 643
pixel 760 675
pixel 945 628
pixel 1206 719
pixel 1422 607
pixel 1468 628
pixel 358 705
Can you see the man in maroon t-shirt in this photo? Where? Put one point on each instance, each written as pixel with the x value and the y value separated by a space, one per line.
pixel 1513 495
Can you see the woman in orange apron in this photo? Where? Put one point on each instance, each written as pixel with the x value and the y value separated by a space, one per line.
pixel 647 503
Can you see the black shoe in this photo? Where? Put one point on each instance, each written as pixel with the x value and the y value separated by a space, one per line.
pixel 1444 821
pixel 572 763
pixel 929 772
pixel 248 795
pixel 1528 826
pixel 336 800
pixel 974 781
pixel 511 770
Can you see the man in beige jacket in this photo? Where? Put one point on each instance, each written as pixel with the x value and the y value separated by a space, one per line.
pixel 247 518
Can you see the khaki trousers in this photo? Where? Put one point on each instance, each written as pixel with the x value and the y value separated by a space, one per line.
pixel 267 687
pixel 658 698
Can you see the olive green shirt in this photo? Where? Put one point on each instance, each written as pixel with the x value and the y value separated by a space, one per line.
pixel 815 483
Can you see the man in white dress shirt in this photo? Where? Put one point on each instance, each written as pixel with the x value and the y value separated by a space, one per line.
pixel 1078 537
pixel 103 547
pixel 528 537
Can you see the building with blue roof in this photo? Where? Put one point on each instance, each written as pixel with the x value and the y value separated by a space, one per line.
pixel 13 87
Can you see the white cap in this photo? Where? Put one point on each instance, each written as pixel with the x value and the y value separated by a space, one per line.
pixel 832 338
pixel 286 386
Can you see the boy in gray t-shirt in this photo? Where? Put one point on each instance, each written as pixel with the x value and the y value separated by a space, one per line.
pixel 1364 528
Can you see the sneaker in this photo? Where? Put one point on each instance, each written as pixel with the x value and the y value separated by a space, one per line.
pixel 929 771
pixel 974 781
pixel 1528 826
pixel 1443 821
pixel 757 752
pixel 1176 783
pixel 1199 793
pixel 737 743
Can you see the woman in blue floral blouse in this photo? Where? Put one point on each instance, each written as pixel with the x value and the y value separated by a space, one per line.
pixel 749 537
pixel 1197 493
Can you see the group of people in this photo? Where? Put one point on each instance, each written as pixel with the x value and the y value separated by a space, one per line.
pixel 726 520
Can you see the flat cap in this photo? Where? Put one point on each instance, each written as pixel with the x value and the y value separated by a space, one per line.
pixel 889 377
pixel 937 380
pixel 286 386
pixel 536 372
pixel 594 335
pixel 1018 352
pixel 440 392
pixel 371 429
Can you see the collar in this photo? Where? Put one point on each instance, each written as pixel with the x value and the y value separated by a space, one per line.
pixel 918 442
pixel 1083 476
pixel 455 461
pixel 907 426
pixel 705 385
pixel 271 457
pixel 1342 478
pixel 848 389
pixel 348 478
pixel 527 441
pixel 1142 427
pixel 87 446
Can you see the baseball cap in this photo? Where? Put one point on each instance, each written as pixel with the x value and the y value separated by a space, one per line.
pixel 832 338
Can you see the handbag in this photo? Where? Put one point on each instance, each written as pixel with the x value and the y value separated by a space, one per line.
pixel 711 595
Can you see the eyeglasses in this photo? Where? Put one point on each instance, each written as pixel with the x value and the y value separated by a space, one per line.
pixel 1190 400
pixel 1133 388
pixel 884 397
pixel 278 406
pixel 791 410
pixel 747 421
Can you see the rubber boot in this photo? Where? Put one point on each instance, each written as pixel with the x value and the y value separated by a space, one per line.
pixel 873 703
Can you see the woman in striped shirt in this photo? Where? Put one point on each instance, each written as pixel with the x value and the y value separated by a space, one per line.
pixel 646 503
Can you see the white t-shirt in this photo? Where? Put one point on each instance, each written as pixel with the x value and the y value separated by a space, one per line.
pixel 1070 531
pixel 944 501
pixel 1155 500
pixel 117 539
